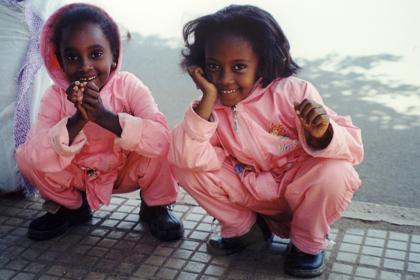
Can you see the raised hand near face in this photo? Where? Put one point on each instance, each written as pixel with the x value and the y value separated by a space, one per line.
pixel 315 122
pixel 205 106
pixel 92 102
pixel 75 95
pixel 198 76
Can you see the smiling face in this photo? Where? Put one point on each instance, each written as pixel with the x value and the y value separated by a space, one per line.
pixel 86 54
pixel 231 65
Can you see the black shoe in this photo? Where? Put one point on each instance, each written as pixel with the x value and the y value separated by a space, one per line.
pixel 162 223
pixel 52 225
pixel 300 264
pixel 258 236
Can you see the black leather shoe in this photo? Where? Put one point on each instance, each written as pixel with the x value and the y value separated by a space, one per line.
pixel 300 264
pixel 258 236
pixel 52 225
pixel 162 223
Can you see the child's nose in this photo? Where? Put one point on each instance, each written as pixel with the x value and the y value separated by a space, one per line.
pixel 85 64
pixel 226 77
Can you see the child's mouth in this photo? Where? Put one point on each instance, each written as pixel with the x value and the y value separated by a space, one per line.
pixel 87 79
pixel 228 91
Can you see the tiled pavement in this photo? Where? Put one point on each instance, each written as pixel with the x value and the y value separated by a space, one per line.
pixel 116 246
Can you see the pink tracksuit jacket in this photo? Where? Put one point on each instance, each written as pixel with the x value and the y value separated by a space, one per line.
pixel 253 158
pixel 97 162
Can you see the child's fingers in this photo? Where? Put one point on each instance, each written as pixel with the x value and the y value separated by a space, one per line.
pixel 82 111
pixel 92 86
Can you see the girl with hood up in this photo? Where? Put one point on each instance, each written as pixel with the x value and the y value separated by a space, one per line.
pixel 98 132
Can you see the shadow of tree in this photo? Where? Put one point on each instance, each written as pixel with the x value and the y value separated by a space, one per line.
pixel 348 84
pixel 391 139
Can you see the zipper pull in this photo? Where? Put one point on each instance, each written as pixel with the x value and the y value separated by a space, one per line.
pixel 235 118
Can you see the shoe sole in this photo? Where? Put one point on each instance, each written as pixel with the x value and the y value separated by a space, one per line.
pixel 168 235
pixel 40 235
pixel 255 247
pixel 46 235
pixel 306 273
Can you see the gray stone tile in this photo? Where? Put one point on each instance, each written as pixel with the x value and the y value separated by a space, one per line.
pixel 196 267
pixel 393 264
pixel 199 235
pixel 414 257
pixel 415 238
pixel 370 260
pixel 338 276
pixel 414 267
pixel 163 251
pixel 398 245
pixel 366 272
pixel 355 231
pixel 389 275
pixel 182 254
pixel 146 270
pixel 34 267
pixel 155 260
pixel 347 257
pixel 342 268
pixel 166 273
pixel 194 217
pixel 395 254
pixel 399 236
pixel 95 276
pixel 414 247
pixel 189 245
pixel 373 251
pixel 348 247
pixel 376 233
pixel 355 239
pixel 175 263
pixel 215 270
pixel 187 276
pixel 18 264
pixel 376 242
pixel 24 276
pixel 6 274
pixel 201 257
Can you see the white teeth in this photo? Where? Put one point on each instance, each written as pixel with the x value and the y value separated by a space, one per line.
pixel 228 91
pixel 87 79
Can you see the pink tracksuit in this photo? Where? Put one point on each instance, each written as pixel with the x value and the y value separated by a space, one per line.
pixel 97 162
pixel 253 158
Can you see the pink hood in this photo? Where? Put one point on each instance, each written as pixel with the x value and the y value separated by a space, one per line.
pixel 47 49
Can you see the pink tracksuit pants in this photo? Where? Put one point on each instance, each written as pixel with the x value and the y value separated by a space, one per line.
pixel 151 175
pixel 311 197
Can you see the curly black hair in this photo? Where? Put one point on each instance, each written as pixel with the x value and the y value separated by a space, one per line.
pixel 250 22
pixel 79 13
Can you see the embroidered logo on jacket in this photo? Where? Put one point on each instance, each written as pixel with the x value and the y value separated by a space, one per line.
pixel 287 144
pixel 278 130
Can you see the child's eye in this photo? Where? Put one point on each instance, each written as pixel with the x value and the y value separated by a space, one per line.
pixel 211 67
pixel 96 54
pixel 239 67
pixel 72 57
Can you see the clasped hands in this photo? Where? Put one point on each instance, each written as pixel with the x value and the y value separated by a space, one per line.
pixel 85 96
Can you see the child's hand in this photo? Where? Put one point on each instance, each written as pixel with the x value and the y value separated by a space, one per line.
pixel 75 95
pixel 313 117
pixel 92 102
pixel 197 75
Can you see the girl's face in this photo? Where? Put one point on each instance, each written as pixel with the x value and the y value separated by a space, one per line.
pixel 231 65
pixel 86 54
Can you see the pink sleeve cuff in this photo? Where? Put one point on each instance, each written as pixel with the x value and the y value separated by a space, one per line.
pixel 198 128
pixel 59 139
pixel 132 129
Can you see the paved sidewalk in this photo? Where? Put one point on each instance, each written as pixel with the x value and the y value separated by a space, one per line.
pixel 114 245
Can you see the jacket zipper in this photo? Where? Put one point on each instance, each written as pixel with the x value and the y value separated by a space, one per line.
pixel 235 118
